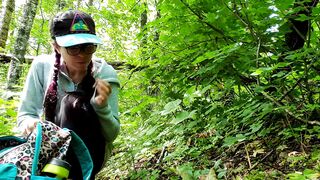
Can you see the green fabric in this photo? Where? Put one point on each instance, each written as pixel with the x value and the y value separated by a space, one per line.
pixel 42 178
pixel 12 138
pixel 109 147
pixel 4 139
pixel 4 151
pixel 8 171
pixel 82 154
pixel 37 148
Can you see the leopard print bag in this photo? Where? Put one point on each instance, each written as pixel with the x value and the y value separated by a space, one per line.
pixel 25 158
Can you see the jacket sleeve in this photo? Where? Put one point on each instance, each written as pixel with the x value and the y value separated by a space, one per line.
pixel 108 113
pixel 32 95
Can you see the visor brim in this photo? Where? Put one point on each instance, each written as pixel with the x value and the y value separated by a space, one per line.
pixel 75 39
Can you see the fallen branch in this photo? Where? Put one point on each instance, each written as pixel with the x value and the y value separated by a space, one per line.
pixel 200 17
pixel 255 164
pixel 287 111
pixel 248 156
pixel 162 154
pixel 6 58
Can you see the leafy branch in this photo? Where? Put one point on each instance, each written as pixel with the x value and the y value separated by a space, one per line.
pixel 246 21
pixel 279 104
pixel 200 17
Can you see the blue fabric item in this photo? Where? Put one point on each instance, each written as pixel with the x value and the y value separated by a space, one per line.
pixel 42 178
pixel 8 171
pixel 12 138
pixel 78 38
pixel 4 151
pixel 9 168
pixel 83 155
pixel 17 140
pixel 37 149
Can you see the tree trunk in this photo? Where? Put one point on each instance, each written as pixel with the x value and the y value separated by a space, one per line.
pixel 61 4
pixel 20 45
pixel 156 35
pixel 152 89
pixel 143 23
pixel 6 12
pixel 143 17
pixel 78 4
pixel 299 29
pixel 90 3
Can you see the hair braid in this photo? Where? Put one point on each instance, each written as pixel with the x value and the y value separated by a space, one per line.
pixel 51 98
pixel 88 81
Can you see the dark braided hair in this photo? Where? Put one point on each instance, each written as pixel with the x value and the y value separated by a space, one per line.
pixel 51 99
pixel 86 85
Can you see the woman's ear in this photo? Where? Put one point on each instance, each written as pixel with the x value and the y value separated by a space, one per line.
pixel 56 47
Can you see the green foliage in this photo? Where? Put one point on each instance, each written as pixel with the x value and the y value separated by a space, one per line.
pixel 8 105
pixel 7 117
pixel 306 174
pixel 214 92
pixel 225 89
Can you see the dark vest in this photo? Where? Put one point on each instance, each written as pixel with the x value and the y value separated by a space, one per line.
pixel 76 113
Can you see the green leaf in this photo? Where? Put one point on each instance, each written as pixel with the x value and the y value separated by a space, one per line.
pixel 315 155
pixel 315 11
pixel 311 174
pixel 11 113
pixel 185 171
pixel 257 72
pixel 212 175
pixel 171 107
pixel 279 74
pixel 255 127
pixel 303 17
pixel 219 54
pixel 284 5
pixel 296 176
pixel 222 173
pixel 152 130
pixel 260 71
pixel 229 141
pixel 317 78
pixel 206 56
pixel 183 116
pixel 282 64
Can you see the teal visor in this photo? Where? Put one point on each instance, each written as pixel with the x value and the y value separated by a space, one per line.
pixel 75 39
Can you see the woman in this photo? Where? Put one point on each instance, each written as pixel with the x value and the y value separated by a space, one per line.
pixel 55 85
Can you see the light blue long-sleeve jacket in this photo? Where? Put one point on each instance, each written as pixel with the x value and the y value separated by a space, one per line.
pixel 39 78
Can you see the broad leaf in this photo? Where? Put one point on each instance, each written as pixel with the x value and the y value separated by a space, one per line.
pixel 171 107
pixel 183 116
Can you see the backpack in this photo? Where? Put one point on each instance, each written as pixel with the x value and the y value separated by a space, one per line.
pixel 26 158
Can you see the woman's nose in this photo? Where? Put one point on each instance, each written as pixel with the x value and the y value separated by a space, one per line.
pixel 82 54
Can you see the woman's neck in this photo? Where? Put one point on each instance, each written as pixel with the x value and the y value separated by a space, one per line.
pixel 75 74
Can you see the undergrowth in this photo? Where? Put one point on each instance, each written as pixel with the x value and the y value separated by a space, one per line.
pixel 209 132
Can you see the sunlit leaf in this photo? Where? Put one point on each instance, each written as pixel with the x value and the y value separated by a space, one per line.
pixel 255 127
pixel 171 107
pixel 183 116
pixel 229 141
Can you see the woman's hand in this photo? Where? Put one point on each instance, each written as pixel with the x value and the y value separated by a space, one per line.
pixel 103 90
pixel 29 125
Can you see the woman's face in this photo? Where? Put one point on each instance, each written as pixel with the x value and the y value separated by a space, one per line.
pixel 76 57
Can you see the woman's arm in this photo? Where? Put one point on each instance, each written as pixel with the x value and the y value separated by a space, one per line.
pixel 30 108
pixel 108 112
